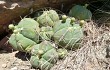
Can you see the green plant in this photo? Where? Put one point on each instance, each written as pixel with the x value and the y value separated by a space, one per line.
pixel 29 37
pixel 48 18
pixel 21 43
pixel 46 33
pixel 67 34
pixel 29 28
pixel 62 53
pixel 80 12
pixel 44 55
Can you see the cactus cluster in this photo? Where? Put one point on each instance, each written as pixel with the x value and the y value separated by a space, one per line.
pixel 44 55
pixel 41 36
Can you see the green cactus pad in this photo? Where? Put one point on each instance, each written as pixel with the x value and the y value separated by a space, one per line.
pixel 28 23
pixel 44 64
pixel 21 43
pixel 80 12
pixel 46 33
pixel 40 63
pixel 48 18
pixel 29 28
pixel 53 15
pixel 66 34
pixel 34 60
pixel 31 34
pixel 51 56
pixel 48 57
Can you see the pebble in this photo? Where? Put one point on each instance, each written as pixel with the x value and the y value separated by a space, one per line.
pixel 4 65
pixel 14 68
pixel 32 69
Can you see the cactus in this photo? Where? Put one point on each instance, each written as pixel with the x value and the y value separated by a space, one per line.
pixel 48 18
pixel 44 55
pixel 66 34
pixel 21 43
pixel 62 53
pixel 27 35
pixel 80 12
pixel 46 33
pixel 29 28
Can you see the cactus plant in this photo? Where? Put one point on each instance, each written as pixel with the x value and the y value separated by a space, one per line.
pixel 29 28
pixel 62 53
pixel 66 34
pixel 80 12
pixel 48 18
pixel 46 33
pixel 21 43
pixel 44 55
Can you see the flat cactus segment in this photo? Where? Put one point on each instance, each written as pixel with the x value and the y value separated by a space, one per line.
pixel 34 60
pixel 31 34
pixel 28 23
pixel 40 63
pixel 53 15
pixel 51 56
pixel 44 64
pixel 80 12
pixel 29 28
pixel 48 18
pixel 21 43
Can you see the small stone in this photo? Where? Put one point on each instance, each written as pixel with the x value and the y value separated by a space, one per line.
pixel 24 67
pixel 4 65
pixel 14 68
pixel 32 69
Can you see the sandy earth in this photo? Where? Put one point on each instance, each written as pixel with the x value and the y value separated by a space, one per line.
pixel 14 61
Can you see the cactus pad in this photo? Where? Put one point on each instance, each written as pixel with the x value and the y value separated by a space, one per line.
pixel 21 43
pixel 46 33
pixel 29 28
pixel 48 18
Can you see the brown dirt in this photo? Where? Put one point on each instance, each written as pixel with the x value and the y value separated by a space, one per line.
pixel 12 60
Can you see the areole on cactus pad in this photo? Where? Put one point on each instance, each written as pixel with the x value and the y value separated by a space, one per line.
pixel 44 55
pixel 66 34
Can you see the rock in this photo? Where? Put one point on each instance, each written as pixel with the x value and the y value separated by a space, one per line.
pixel 32 69
pixel 4 65
pixel 14 68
